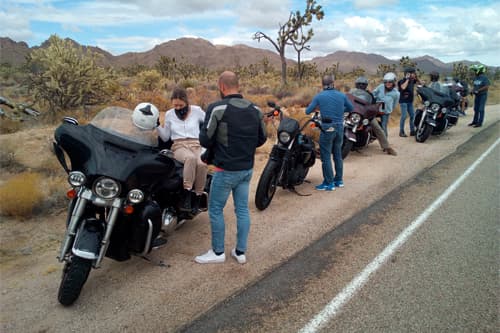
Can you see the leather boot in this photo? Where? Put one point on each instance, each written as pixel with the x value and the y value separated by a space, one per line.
pixel 390 151
pixel 186 201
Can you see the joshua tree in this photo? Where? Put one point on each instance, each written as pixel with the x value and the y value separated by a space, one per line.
pixel 290 30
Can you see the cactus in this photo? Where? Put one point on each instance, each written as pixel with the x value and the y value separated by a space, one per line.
pixel 66 76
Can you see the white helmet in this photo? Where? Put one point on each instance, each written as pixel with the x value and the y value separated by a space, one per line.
pixel 390 77
pixel 145 116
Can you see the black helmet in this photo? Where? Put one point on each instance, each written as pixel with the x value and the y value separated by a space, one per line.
pixel 361 83
pixel 327 81
pixel 434 76
pixel 409 69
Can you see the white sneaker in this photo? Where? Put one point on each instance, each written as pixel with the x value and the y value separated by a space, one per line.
pixel 210 258
pixel 240 258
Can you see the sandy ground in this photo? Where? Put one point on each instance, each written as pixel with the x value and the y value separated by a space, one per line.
pixel 139 296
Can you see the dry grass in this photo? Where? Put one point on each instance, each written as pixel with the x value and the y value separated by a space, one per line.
pixel 21 195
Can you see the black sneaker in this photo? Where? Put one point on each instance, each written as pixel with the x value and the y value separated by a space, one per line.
pixel 412 133
pixel 403 135
pixel 471 124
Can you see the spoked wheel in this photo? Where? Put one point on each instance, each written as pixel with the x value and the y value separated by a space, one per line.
pixel 267 185
pixel 75 275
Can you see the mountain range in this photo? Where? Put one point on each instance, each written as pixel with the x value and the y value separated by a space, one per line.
pixel 203 53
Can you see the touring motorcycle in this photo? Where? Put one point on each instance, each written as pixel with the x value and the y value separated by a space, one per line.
pixel 290 158
pixel 124 191
pixel 358 131
pixel 440 112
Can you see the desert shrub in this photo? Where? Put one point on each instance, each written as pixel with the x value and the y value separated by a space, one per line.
pixel 188 83
pixel 9 126
pixel 149 80
pixel 21 195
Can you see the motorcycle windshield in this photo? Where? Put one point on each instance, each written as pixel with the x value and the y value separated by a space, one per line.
pixel 433 96
pixel 110 145
pixel 117 121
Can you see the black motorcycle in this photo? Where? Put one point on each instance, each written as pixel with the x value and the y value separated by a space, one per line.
pixel 440 112
pixel 290 158
pixel 124 191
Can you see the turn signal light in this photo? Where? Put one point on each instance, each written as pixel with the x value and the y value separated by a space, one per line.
pixel 128 209
pixel 313 125
pixel 71 194
pixel 276 113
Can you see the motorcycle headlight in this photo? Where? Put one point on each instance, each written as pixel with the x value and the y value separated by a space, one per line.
pixel 435 107
pixel 365 121
pixel 135 196
pixel 444 110
pixel 284 137
pixel 106 188
pixel 427 103
pixel 76 178
pixel 355 117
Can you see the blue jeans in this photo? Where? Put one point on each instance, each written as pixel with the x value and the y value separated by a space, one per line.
pixel 406 108
pixel 385 121
pixel 331 143
pixel 223 183
pixel 479 104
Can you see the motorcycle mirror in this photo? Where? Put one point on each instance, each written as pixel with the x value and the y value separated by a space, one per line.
pixel 271 104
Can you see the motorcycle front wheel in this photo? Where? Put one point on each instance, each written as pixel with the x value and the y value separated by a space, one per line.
pixel 346 147
pixel 75 275
pixel 267 185
pixel 423 132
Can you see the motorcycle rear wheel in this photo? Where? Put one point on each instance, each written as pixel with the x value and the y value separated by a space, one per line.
pixel 75 275
pixel 267 185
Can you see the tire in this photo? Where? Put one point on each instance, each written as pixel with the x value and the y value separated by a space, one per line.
pixel 423 132
pixel 267 185
pixel 346 147
pixel 75 275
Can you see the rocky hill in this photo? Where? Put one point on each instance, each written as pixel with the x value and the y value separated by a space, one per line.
pixel 203 53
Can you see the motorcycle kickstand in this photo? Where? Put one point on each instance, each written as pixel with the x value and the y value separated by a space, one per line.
pixel 293 190
pixel 154 262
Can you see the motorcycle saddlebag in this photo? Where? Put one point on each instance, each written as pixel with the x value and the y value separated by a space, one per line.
pixel 141 227
pixel 453 117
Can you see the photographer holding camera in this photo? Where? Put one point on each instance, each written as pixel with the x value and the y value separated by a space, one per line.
pixel 406 88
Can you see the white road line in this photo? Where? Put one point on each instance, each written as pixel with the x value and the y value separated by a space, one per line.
pixel 332 308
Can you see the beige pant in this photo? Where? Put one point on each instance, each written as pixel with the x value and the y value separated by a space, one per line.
pixel 188 152
pixel 379 132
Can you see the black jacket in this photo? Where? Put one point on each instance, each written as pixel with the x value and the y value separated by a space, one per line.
pixel 232 130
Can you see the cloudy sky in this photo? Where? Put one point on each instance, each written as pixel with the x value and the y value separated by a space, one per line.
pixel 448 30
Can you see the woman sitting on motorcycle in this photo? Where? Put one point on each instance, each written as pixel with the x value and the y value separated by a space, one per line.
pixel 182 126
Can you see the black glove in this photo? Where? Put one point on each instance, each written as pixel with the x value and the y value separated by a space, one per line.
pixel 208 156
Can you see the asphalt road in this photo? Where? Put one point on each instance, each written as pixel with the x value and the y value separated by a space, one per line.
pixel 442 278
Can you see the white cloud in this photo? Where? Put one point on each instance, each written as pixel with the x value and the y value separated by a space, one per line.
pixel 361 4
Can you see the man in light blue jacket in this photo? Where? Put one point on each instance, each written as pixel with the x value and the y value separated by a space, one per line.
pixel 386 93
